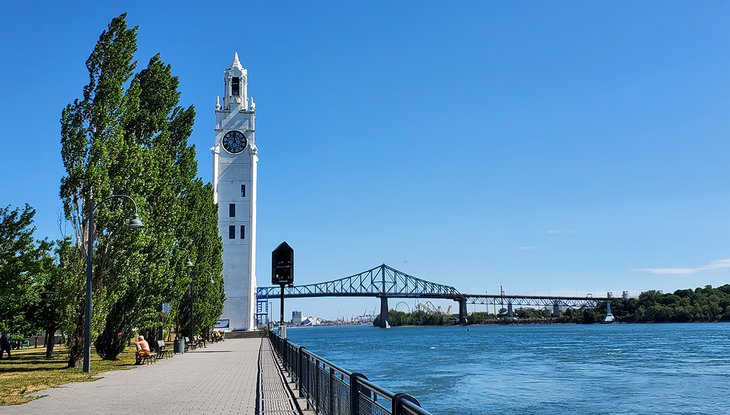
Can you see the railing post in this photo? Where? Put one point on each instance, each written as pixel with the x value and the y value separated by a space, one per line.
pixel 316 385
pixel 300 379
pixel 284 355
pixel 306 381
pixel 287 361
pixel 355 393
pixel 305 378
pixel 331 389
pixel 398 398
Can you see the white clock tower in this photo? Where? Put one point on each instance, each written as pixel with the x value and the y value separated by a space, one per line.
pixel 234 182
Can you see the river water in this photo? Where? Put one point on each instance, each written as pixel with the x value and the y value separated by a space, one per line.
pixel 551 369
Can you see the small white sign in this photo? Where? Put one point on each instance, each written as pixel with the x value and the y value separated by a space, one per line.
pixel 223 323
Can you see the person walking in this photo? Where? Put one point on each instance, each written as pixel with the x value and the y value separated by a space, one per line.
pixel 4 345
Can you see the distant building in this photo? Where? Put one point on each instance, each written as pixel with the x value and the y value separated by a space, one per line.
pixel 311 321
pixel 296 317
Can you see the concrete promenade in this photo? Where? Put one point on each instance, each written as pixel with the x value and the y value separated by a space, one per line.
pixel 219 379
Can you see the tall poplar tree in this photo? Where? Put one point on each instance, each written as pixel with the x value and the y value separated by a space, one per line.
pixel 91 137
pixel 128 135
pixel 201 229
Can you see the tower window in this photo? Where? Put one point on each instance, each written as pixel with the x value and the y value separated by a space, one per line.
pixel 232 210
pixel 243 231
pixel 236 86
pixel 243 190
pixel 232 232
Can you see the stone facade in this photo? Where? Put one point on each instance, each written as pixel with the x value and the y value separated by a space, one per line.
pixel 235 162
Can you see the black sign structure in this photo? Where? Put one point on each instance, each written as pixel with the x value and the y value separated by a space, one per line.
pixel 282 265
pixel 282 273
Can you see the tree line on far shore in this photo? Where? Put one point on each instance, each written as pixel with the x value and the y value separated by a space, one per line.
pixel 706 304
pixel 125 135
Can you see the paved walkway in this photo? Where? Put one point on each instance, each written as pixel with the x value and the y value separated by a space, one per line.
pixel 219 379
pixel 274 397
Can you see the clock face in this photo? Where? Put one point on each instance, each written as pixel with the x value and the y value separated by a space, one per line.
pixel 234 142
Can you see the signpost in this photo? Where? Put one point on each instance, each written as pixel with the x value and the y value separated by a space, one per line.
pixel 282 274
pixel 223 324
pixel 164 311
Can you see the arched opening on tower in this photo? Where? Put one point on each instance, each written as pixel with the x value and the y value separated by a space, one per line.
pixel 236 86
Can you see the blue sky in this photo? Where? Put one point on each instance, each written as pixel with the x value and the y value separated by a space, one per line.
pixel 551 147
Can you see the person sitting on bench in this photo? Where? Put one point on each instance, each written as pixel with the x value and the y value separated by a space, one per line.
pixel 143 349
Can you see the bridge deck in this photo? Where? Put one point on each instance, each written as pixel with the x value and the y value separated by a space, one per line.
pixel 387 282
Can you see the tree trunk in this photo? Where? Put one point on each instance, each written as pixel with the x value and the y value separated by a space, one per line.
pixel 50 337
pixel 76 343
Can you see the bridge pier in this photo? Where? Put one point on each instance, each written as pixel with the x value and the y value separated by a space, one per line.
pixel 462 311
pixel 510 312
pixel 556 308
pixel 383 312
pixel 609 315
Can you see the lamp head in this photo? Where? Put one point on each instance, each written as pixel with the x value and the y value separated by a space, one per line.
pixel 135 222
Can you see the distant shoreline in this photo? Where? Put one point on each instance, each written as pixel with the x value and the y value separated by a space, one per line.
pixel 513 323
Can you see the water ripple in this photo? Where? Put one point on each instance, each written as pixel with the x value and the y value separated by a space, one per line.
pixel 639 369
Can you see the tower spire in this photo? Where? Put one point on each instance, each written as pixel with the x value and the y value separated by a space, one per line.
pixel 236 94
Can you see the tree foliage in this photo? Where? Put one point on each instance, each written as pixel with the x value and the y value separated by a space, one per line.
pixel 24 264
pixel 128 135
pixel 700 304
pixel 60 291
pixel 417 318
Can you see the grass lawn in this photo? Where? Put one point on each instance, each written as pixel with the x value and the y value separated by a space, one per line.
pixel 29 371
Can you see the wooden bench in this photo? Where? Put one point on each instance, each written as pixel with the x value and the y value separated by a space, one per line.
pixel 162 351
pixel 189 345
pixel 148 359
pixel 195 343
pixel 200 341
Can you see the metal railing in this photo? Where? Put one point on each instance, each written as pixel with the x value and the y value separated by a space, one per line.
pixel 331 390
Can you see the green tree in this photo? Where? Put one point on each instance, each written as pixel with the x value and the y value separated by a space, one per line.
pixel 481 317
pixel 531 314
pixel 60 291
pixel 200 227
pixel 159 129
pixel 93 152
pixel 128 135
pixel 22 265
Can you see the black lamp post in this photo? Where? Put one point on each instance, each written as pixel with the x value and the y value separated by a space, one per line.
pixel 135 222
pixel 189 265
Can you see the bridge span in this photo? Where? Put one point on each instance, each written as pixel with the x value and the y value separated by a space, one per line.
pixel 386 282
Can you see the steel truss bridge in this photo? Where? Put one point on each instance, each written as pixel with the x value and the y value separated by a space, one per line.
pixel 387 282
